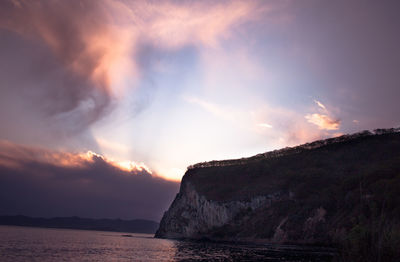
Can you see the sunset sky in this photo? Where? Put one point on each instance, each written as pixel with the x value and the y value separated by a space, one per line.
pixel 150 87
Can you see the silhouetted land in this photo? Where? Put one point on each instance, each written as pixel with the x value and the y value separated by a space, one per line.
pixel 115 225
pixel 342 192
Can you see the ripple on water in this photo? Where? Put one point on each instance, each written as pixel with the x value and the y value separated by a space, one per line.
pixel 41 244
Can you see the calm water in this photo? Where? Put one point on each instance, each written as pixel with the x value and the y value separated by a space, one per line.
pixel 38 244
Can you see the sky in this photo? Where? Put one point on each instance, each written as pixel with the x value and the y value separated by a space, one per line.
pixel 147 88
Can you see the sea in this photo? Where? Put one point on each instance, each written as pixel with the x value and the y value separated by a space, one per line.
pixel 45 244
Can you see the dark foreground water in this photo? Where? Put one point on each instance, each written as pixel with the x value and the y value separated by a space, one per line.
pixel 40 244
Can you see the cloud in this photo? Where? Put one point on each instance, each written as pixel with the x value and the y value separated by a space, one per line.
pixel 199 24
pixel 289 127
pixel 323 121
pixel 213 108
pixel 320 104
pixel 76 56
pixel 169 24
pixel 55 68
pixel 264 125
pixel 40 182
pixel 277 126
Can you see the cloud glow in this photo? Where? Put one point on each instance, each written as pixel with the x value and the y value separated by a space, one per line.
pixel 13 155
pixel 265 125
pixel 320 104
pixel 171 83
pixel 65 184
pixel 323 121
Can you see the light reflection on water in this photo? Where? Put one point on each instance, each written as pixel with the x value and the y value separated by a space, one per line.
pixel 38 244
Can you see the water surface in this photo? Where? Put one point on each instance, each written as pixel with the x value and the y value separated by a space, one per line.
pixel 43 244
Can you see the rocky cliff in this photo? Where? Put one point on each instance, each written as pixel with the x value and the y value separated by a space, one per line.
pixel 319 193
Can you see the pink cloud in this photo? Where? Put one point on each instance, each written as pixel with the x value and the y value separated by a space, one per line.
pixel 13 155
pixel 40 182
pixel 171 25
pixel 323 121
pixel 99 40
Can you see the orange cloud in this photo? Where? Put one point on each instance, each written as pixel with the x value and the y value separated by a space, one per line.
pixel 99 41
pixel 78 33
pixel 323 121
pixel 289 127
pixel 12 155
pixel 67 184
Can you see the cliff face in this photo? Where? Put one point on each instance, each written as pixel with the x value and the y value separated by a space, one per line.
pixel 313 194
pixel 192 216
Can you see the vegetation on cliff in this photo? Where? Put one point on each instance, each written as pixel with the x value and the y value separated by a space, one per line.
pixel 341 192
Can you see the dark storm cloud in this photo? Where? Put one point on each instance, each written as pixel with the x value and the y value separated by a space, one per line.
pixel 38 182
pixel 53 77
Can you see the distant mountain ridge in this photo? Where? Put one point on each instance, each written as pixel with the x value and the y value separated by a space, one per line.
pixel 115 225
